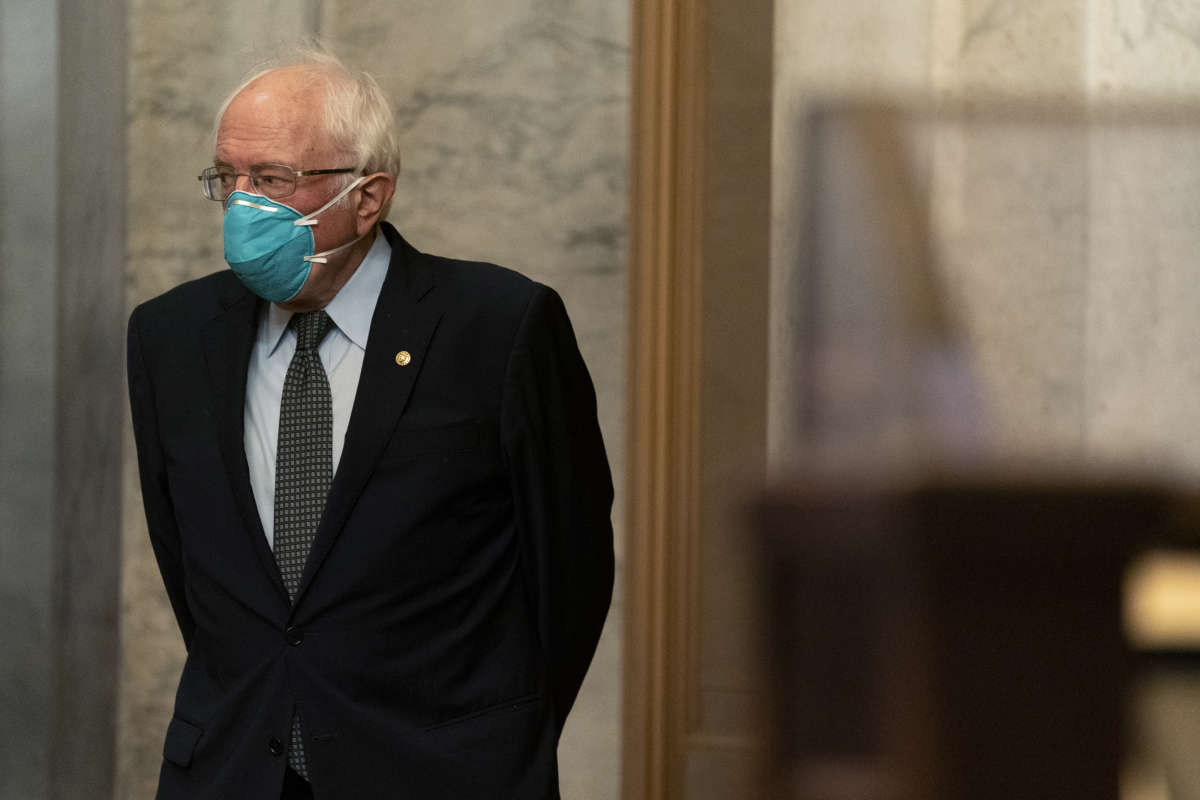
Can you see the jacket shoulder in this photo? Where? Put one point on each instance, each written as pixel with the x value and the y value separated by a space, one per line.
pixel 480 276
pixel 188 303
pixel 483 287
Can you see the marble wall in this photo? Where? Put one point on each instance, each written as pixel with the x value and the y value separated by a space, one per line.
pixel 514 125
pixel 1064 248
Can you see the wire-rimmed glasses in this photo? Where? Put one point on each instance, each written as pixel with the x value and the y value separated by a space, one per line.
pixel 275 181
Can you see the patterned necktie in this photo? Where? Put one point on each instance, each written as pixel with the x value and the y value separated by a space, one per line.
pixel 303 468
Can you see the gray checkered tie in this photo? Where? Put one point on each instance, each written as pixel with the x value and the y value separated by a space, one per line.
pixel 303 468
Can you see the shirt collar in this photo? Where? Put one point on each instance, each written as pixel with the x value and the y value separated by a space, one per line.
pixel 352 307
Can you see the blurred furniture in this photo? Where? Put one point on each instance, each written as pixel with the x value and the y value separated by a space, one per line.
pixel 955 638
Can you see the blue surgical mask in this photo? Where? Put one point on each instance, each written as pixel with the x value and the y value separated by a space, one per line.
pixel 269 245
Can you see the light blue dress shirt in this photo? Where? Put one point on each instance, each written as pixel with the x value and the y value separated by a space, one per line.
pixel 341 354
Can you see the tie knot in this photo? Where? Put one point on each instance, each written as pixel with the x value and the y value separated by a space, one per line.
pixel 311 327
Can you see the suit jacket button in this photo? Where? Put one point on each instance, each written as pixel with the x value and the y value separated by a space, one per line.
pixel 275 746
pixel 294 636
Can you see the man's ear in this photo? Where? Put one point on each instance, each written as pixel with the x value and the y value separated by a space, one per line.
pixel 374 197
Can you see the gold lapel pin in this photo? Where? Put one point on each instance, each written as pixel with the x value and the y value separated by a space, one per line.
pixel 403 358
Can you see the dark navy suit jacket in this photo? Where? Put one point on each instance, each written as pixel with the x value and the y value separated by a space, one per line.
pixel 462 571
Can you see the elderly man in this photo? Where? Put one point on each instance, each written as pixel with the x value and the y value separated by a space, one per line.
pixel 374 481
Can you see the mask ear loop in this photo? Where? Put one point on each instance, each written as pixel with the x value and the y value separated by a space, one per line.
pixel 320 258
pixel 310 220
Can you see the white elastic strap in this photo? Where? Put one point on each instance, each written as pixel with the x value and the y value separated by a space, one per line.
pixel 308 219
pixel 319 258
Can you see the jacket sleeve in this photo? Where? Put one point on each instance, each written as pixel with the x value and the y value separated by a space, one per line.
pixel 160 514
pixel 562 491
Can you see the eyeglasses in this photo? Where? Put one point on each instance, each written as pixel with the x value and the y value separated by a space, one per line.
pixel 275 181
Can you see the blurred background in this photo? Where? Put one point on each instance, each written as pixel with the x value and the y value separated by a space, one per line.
pixel 999 268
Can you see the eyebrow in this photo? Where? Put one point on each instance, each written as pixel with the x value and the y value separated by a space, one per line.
pixel 217 162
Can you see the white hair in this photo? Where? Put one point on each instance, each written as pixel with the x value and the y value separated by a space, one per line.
pixel 358 118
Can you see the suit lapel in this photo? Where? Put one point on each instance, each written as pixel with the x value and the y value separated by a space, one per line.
pixel 406 316
pixel 228 339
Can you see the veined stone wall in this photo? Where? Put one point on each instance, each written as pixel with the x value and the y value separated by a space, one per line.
pixel 514 123
pixel 1065 250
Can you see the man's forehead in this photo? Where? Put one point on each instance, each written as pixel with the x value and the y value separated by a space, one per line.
pixel 289 83
pixel 270 99
pixel 276 116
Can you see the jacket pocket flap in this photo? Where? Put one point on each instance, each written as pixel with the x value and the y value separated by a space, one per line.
pixel 182 737
pixel 508 706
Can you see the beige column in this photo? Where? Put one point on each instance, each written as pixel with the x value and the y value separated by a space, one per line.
pixel 701 183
